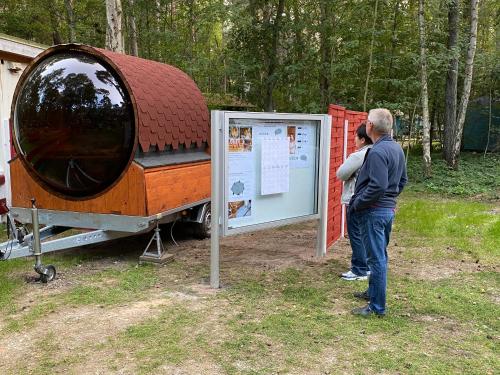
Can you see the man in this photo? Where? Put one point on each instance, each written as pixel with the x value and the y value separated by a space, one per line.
pixel 381 179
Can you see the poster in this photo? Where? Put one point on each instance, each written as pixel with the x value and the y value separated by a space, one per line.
pixel 301 145
pixel 241 171
pixel 275 166
pixel 241 176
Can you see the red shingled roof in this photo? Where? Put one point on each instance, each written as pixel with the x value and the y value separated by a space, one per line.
pixel 170 108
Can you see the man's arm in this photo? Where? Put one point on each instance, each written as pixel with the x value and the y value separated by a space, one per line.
pixel 379 181
pixel 404 180
pixel 349 167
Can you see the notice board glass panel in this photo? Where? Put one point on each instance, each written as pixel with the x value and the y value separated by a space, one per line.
pixel 271 169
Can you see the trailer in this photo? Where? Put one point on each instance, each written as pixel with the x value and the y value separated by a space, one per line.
pixel 111 144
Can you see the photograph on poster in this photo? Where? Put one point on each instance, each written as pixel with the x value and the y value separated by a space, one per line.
pixel 246 135
pixel 239 209
pixel 240 139
pixel 292 138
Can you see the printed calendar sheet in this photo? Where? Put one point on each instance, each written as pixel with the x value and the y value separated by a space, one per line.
pixel 275 166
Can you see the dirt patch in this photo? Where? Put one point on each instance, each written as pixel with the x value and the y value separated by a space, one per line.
pixel 427 268
pixel 77 330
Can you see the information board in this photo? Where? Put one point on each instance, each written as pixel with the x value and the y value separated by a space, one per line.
pixel 272 170
pixel 268 170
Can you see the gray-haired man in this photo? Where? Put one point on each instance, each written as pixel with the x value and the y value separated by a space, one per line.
pixel 381 179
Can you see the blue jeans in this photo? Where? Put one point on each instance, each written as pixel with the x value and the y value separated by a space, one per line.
pixel 358 259
pixel 377 225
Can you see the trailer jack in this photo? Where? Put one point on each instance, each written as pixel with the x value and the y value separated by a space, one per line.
pixel 47 273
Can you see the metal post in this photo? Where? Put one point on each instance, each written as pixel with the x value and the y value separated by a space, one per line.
pixel 342 220
pixel 216 197
pixel 325 133
pixel 37 247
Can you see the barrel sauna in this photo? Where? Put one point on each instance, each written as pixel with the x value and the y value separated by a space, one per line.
pixel 101 132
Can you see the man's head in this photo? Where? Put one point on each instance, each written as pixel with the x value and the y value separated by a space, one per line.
pixel 379 123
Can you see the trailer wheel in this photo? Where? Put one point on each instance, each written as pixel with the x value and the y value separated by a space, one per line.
pixel 202 230
pixel 49 275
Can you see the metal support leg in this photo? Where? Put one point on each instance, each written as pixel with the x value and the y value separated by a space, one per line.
pixel 47 273
pixel 158 256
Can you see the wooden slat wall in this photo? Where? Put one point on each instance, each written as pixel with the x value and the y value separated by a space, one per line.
pixel 127 197
pixel 172 187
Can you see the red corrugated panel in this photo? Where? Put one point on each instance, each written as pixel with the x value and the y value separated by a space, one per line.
pixel 339 114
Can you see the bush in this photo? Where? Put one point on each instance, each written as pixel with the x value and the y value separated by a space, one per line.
pixel 477 176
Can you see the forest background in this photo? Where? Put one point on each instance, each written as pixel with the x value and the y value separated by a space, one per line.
pixel 295 55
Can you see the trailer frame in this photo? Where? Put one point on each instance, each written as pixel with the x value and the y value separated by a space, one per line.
pixel 103 228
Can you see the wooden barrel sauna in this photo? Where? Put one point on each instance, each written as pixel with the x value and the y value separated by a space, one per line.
pixel 101 132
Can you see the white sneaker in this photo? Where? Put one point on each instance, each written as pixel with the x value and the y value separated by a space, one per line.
pixel 351 276
pixel 346 274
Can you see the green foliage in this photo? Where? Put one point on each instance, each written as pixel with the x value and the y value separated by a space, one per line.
pixel 226 46
pixel 477 176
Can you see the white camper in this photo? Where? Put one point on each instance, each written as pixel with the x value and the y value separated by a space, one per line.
pixel 15 55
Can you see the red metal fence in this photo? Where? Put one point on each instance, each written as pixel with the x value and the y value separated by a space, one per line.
pixel 342 139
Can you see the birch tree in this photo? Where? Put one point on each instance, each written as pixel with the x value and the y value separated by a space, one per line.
pixel 424 92
pixel 370 58
pixel 134 48
pixel 273 58
pixel 455 117
pixel 114 35
pixel 71 20
pixel 450 109
pixel 326 31
pixel 464 101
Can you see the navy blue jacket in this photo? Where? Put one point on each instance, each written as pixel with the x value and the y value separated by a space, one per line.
pixel 381 177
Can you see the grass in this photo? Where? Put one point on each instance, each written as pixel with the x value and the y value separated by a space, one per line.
pixel 111 287
pixel 163 339
pixel 281 331
pixel 441 320
pixel 450 228
pixel 105 288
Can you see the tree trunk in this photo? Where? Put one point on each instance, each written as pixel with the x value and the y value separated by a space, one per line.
pixel 159 37
pixel 71 20
pixel 192 37
pixel 393 45
pixel 464 101
pixel 450 108
pixel 326 61
pixel 299 43
pixel 424 93
pixel 54 22
pixel 489 128
pixel 114 35
pixel 370 60
pixel 134 48
pixel 273 59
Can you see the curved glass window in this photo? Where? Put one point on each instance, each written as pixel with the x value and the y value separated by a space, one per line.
pixel 74 124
